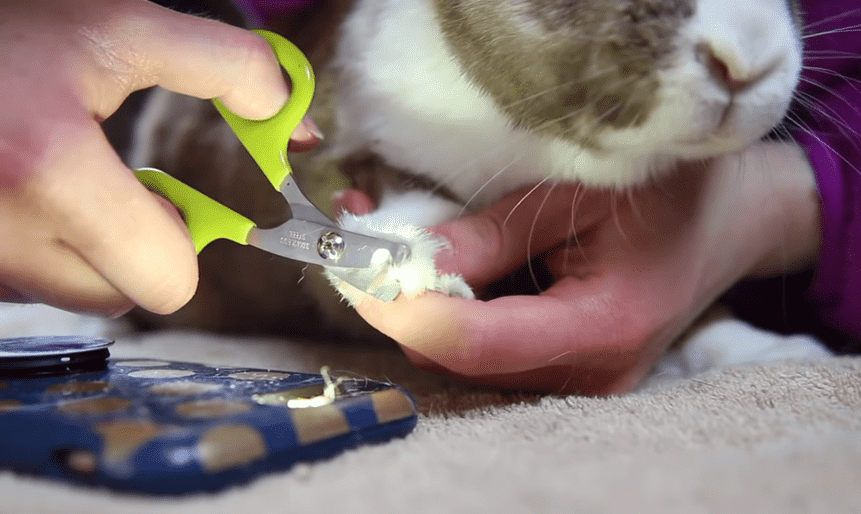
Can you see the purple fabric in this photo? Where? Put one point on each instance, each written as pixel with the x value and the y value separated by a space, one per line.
pixel 830 136
pixel 259 12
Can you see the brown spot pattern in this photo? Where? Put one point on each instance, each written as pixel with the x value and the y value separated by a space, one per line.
pixel 281 398
pixel 70 388
pixel 96 406
pixel 391 405
pixel 161 373
pixel 260 375
pixel 212 409
pixel 123 437
pixel 183 388
pixel 230 446
pixel 319 423
pixel 8 405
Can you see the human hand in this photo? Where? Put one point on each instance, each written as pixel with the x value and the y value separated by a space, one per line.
pixel 631 271
pixel 78 230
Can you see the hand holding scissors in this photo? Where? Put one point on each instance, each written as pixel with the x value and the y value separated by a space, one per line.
pixel 309 236
pixel 78 230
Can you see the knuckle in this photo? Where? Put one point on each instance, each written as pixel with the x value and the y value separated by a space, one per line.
pixel 255 55
pixel 96 296
pixel 110 52
pixel 470 355
pixel 37 146
pixel 254 82
pixel 494 241
pixel 238 60
pixel 243 56
pixel 19 160
pixel 631 315
pixel 629 331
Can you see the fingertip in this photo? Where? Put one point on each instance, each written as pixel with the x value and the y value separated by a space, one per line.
pixel 180 294
pixel 299 146
pixel 171 209
pixel 171 294
pixel 477 251
pixel 255 105
pixel 177 284
pixel 406 320
pixel 154 261
pixel 120 309
pixel 11 295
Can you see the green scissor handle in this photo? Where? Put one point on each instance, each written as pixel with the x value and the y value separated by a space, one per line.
pixel 207 220
pixel 266 141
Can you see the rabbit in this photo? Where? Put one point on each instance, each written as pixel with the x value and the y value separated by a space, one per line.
pixel 434 107
pixel 609 94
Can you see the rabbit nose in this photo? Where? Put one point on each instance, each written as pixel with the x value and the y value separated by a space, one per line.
pixel 728 70
pixel 725 68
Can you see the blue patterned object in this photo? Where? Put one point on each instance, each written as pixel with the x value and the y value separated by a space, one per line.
pixel 160 427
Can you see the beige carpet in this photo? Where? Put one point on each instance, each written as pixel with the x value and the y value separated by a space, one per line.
pixel 778 437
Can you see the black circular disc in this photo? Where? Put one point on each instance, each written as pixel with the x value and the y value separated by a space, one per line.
pixel 52 354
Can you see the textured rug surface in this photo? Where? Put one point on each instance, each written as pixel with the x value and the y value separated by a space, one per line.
pixel 778 437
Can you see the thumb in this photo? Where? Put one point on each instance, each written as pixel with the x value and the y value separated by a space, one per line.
pixel 186 54
pixel 526 223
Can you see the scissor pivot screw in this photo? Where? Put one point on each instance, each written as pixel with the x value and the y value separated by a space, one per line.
pixel 331 246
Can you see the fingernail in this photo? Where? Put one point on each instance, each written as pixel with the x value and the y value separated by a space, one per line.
pixel 307 130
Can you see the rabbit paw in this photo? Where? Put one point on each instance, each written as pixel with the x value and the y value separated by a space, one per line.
pixel 412 277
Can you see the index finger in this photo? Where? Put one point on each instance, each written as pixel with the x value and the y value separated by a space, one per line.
pixel 501 238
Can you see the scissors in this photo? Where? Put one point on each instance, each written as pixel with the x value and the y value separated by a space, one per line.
pixel 309 236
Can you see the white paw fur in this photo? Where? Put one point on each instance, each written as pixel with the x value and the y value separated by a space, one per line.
pixel 728 342
pixel 398 219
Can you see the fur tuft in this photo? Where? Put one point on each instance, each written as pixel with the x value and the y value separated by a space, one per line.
pixel 416 275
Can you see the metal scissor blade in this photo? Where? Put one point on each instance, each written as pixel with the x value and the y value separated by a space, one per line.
pixel 326 245
pixel 300 207
pixel 370 281
pixel 361 261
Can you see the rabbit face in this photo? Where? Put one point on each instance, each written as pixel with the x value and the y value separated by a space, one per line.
pixel 689 78
pixel 607 92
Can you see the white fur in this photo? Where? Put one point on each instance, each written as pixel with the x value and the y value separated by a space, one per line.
pixel 416 274
pixel 727 342
pixel 409 102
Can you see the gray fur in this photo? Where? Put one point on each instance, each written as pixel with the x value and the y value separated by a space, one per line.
pixel 565 68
